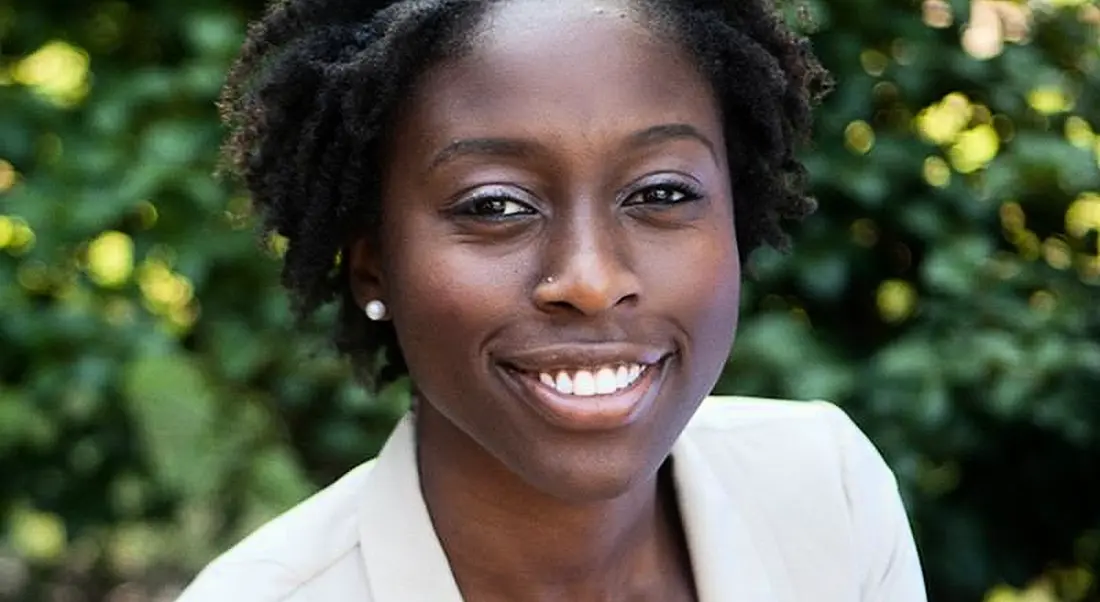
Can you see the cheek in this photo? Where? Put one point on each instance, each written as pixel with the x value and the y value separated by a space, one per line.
pixel 445 298
pixel 716 309
pixel 716 282
pixel 718 305
pixel 702 281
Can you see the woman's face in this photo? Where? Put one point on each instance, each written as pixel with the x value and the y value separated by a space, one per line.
pixel 557 249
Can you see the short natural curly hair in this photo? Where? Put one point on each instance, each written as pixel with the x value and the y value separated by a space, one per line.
pixel 308 100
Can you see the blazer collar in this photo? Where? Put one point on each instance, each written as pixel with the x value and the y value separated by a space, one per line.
pixel 726 561
pixel 405 561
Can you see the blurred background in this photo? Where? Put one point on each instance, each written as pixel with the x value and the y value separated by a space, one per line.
pixel 156 401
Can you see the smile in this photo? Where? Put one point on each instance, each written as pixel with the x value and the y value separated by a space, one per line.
pixel 599 397
pixel 605 380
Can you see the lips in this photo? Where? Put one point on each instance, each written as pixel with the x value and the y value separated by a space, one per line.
pixel 604 388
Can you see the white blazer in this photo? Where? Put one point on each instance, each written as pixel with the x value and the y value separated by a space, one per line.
pixel 781 502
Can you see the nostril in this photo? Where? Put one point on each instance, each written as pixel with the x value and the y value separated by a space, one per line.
pixel 629 299
pixel 587 302
pixel 588 283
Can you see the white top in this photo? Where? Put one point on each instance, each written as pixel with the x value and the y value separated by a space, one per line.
pixel 781 502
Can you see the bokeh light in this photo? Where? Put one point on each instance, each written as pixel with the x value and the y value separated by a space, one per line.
pixel 1083 215
pixel 974 148
pixel 7 176
pixel 896 300
pixel 57 71
pixel 936 172
pixel 38 536
pixel 16 236
pixel 1049 100
pixel 167 294
pixel 941 123
pixel 859 137
pixel 1079 133
pixel 110 259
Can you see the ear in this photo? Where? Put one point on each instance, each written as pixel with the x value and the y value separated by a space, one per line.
pixel 365 272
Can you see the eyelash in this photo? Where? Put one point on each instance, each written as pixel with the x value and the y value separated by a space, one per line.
pixel 688 192
pixel 470 206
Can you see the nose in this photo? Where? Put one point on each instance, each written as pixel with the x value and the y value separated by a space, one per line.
pixel 587 268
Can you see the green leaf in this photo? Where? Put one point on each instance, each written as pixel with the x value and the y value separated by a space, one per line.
pixel 176 413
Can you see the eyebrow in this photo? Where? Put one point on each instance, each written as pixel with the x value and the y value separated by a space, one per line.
pixel 668 132
pixel 487 147
pixel 522 148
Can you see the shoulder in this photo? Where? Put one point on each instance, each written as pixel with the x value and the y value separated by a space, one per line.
pixel 815 488
pixel 779 429
pixel 789 447
pixel 307 547
pixel 726 413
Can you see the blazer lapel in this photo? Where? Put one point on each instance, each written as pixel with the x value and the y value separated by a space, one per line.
pixel 402 555
pixel 726 562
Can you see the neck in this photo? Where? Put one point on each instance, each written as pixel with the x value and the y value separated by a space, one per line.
pixel 507 540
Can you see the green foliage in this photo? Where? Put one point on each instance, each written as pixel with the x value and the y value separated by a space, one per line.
pixel 156 401
pixel 954 312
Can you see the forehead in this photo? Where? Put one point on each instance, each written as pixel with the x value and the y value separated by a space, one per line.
pixel 586 66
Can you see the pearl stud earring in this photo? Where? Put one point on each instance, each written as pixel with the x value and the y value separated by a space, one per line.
pixel 376 310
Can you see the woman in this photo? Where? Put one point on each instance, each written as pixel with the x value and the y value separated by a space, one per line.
pixel 539 210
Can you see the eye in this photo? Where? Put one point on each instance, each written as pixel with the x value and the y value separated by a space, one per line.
pixel 493 205
pixel 496 207
pixel 664 194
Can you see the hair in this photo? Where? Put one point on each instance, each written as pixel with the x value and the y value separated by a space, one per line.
pixel 309 97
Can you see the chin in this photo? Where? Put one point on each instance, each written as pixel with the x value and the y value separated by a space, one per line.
pixel 577 475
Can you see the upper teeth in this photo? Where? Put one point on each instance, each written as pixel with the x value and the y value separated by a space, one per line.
pixel 600 381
